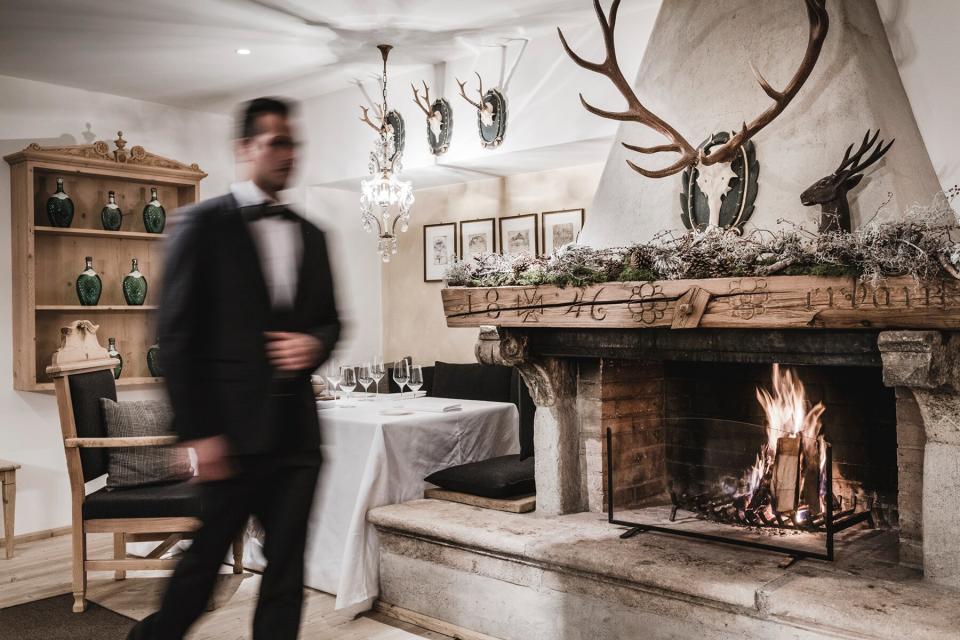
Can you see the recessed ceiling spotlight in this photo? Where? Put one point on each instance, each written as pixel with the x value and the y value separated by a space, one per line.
pixel 243 52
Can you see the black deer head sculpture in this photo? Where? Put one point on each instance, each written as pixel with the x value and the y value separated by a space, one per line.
pixel 831 192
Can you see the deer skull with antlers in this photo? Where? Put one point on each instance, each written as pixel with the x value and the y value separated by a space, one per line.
pixel 831 192
pixel 484 107
pixel 712 181
pixel 434 117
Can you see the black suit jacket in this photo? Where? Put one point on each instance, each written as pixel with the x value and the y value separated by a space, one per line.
pixel 214 311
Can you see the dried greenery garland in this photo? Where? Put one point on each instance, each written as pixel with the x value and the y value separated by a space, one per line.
pixel 920 245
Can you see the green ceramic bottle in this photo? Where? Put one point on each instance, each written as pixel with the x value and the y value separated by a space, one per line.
pixel 153 359
pixel 113 353
pixel 60 207
pixel 134 285
pixel 89 285
pixel 110 216
pixel 154 215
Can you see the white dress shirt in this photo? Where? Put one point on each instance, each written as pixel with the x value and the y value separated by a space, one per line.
pixel 279 245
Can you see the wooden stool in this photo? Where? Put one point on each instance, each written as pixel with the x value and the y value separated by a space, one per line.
pixel 8 478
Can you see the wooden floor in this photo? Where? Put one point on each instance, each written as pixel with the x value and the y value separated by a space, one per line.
pixel 41 569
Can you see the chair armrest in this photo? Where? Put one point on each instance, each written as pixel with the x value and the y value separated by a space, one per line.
pixel 104 443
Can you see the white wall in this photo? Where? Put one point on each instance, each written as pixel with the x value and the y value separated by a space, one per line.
pixel 923 38
pixel 49 114
pixel 356 271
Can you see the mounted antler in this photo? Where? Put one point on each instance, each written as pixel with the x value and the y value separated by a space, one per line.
pixel 426 105
pixel 689 156
pixel 463 92
pixel 831 191
pixel 366 118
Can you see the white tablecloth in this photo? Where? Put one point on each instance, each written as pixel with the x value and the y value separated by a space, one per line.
pixel 371 460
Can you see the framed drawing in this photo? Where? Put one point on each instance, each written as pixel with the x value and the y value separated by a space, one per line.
pixel 518 235
pixel 477 237
pixel 560 228
pixel 439 250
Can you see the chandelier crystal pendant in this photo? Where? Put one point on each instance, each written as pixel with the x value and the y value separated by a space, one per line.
pixel 385 199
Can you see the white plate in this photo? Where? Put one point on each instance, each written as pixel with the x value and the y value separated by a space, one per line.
pixel 396 412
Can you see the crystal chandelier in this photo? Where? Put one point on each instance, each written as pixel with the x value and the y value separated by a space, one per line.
pixel 385 199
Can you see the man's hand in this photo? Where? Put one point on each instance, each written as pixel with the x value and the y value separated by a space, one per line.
pixel 293 351
pixel 213 462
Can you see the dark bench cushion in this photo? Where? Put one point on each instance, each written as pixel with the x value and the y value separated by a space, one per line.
pixel 503 477
pixel 175 500
pixel 472 382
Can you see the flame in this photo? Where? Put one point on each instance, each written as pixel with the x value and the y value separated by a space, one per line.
pixel 787 414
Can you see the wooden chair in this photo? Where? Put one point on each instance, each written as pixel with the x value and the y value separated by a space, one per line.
pixel 83 373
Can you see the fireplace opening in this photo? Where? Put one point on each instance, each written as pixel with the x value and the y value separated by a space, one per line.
pixel 760 451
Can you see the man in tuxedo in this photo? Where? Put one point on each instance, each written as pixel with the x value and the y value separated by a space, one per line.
pixel 247 313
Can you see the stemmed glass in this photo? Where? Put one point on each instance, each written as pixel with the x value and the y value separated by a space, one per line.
pixel 348 380
pixel 401 373
pixel 332 374
pixel 415 380
pixel 365 378
pixel 378 371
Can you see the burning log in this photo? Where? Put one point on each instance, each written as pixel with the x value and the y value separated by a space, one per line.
pixel 785 480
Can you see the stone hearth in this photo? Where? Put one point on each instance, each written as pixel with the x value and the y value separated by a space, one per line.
pixel 530 577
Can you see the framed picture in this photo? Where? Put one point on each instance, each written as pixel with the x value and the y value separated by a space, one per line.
pixel 477 237
pixel 560 228
pixel 439 249
pixel 518 235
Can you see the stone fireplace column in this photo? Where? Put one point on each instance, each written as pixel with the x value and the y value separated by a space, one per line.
pixel 926 364
pixel 553 386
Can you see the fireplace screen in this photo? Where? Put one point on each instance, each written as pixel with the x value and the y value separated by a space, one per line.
pixel 768 483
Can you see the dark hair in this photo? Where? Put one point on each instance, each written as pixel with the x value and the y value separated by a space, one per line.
pixel 250 111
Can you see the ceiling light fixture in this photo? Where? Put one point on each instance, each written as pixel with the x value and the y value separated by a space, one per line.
pixel 243 52
pixel 385 199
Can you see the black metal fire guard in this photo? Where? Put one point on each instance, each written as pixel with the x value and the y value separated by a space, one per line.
pixel 833 520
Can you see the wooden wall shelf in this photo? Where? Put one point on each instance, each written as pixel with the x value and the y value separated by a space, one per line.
pixel 47 260
pixel 81 309
pixel 99 233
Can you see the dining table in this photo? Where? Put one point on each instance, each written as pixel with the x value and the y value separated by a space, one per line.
pixel 377 451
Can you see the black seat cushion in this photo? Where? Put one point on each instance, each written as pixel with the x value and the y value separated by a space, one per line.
pixel 174 500
pixel 503 477
pixel 86 389
pixel 472 382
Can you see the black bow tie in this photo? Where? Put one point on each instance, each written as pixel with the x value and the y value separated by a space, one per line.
pixel 262 211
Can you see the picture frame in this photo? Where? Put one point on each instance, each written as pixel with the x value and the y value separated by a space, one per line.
pixel 520 235
pixel 560 228
pixel 477 237
pixel 439 249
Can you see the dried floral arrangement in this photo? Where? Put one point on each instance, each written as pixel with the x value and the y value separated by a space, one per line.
pixel 921 244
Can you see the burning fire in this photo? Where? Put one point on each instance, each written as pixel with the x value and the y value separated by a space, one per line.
pixel 788 415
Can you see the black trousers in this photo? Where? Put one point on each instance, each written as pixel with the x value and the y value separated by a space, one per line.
pixel 279 492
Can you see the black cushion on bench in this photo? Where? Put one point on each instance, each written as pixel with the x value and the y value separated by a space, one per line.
pixel 174 500
pixel 472 382
pixel 503 477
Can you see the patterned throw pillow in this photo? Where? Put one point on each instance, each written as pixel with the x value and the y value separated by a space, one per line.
pixel 138 466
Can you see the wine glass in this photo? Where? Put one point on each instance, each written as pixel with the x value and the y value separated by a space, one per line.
pixel 378 371
pixel 332 374
pixel 348 380
pixel 415 379
pixel 365 378
pixel 401 373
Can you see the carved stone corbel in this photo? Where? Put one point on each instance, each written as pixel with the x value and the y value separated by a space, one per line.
pixel 547 378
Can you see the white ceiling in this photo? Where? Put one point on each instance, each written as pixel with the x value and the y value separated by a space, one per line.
pixel 182 52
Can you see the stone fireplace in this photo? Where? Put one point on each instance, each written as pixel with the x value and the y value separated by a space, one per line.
pixel 565 572
pixel 888 400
